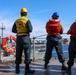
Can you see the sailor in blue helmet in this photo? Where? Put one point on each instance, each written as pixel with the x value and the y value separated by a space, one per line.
pixel 55 14
pixel 54 40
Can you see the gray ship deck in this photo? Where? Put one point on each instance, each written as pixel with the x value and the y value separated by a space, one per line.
pixel 53 69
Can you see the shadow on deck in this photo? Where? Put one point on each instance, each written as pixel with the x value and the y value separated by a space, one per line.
pixel 39 69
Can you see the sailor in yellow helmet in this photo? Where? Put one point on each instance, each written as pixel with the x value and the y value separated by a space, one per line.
pixel 22 27
pixel 24 10
pixel 22 24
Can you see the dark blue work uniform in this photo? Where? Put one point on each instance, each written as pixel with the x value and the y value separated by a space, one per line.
pixel 23 43
pixel 54 41
pixel 72 51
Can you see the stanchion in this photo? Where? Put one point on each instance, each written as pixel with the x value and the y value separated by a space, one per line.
pixel 0 48
pixel 33 49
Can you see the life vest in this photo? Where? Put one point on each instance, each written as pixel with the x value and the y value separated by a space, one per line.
pixel 73 31
pixel 53 27
pixel 21 26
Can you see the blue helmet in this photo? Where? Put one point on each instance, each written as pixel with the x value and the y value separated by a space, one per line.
pixel 55 14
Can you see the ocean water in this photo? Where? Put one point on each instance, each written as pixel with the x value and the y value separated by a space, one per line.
pixel 65 52
pixel 40 52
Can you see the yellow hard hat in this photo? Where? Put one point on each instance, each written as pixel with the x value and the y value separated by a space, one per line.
pixel 24 10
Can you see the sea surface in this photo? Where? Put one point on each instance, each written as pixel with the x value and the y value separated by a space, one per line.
pixel 40 52
pixel 65 51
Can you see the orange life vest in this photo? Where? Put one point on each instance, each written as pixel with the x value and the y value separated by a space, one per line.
pixel 53 27
pixel 73 31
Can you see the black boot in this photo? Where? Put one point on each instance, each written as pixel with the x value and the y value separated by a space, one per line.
pixel 28 70
pixel 68 70
pixel 63 67
pixel 46 66
pixel 17 70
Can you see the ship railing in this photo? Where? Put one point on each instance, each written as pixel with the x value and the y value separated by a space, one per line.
pixel 39 47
